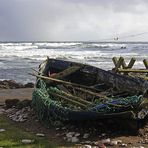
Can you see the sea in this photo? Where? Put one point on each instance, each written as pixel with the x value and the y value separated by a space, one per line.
pixel 17 58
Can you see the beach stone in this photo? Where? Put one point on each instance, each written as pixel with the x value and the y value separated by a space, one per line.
pixel 77 134
pixel 103 134
pixel 114 142
pixel 2 130
pixel 87 146
pixel 27 141
pixel 70 134
pixel 86 135
pixel 106 141
pixel 119 141
pixel 40 135
pixel 2 111
pixel 102 146
pixel 87 142
pixel 74 139
pixel 123 145
pixel 57 128
pixel 11 102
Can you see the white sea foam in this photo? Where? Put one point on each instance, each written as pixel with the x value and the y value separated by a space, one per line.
pixel 22 56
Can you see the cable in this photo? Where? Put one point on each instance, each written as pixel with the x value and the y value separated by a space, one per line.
pixel 127 36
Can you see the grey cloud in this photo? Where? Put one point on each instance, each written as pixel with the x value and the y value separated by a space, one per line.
pixel 71 19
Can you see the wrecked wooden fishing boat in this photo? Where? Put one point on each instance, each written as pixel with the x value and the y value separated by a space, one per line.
pixel 73 91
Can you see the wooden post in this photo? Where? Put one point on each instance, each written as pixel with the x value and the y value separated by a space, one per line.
pixel 146 64
pixel 131 63
pixel 118 63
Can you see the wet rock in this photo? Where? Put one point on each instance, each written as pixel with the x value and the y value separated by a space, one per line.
pixel 40 135
pixel 2 130
pixel 27 141
pixel 86 135
pixel 11 102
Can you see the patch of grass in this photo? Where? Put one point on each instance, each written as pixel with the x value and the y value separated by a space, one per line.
pixel 11 138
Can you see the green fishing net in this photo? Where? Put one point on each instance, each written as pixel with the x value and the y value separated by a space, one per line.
pixel 51 109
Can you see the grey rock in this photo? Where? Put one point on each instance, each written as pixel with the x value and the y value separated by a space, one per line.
pixel 87 146
pixel 40 135
pixel 106 141
pixel 86 135
pixel 70 134
pixel 77 134
pixel 2 130
pixel 27 141
pixel 74 139
pixel 2 111
pixel 114 142
pixel 123 145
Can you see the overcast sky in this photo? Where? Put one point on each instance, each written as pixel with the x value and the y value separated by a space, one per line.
pixel 73 20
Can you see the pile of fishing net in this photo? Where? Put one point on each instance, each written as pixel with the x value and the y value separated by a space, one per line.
pixel 51 109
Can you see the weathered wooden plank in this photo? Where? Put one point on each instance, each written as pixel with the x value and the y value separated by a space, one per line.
pixel 133 70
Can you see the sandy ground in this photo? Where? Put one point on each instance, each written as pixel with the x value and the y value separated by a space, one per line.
pixel 21 94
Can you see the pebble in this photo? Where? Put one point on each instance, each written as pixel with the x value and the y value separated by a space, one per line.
pixel 106 141
pixel 70 134
pixel 1 111
pixel 103 134
pixel 123 145
pixel 113 142
pixel 119 141
pixel 77 134
pixel 27 141
pixel 87 146
pixel 2 130
pixel 40 135
pixel 74 139
pixel 18 115
pixel 57 128
pixel 86 135
pixel 87 142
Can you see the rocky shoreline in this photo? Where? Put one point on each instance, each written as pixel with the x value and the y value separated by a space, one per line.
pixel 11 84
